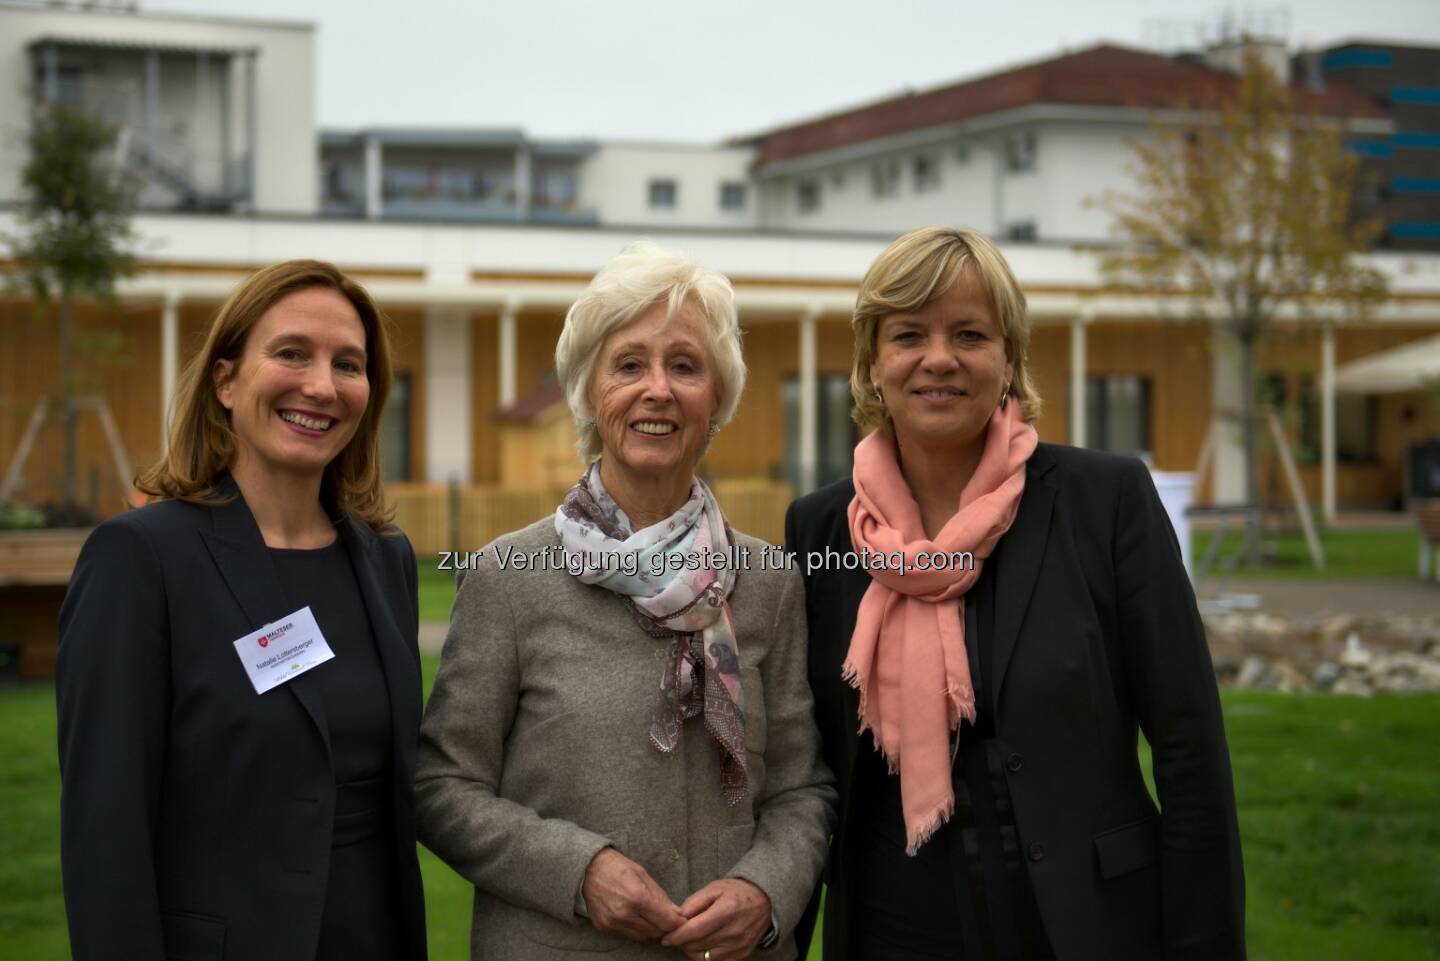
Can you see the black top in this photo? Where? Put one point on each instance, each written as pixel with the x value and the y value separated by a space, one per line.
pixel 352 684
pixel 362 877
pixel 965 894
pixel 196 816
pixel 1096 637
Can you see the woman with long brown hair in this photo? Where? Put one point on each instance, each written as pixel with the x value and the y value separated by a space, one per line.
pixel 238 682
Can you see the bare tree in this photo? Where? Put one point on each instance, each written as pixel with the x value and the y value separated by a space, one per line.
pixel 74 240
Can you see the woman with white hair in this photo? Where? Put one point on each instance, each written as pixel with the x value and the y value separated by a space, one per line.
pixel 619 751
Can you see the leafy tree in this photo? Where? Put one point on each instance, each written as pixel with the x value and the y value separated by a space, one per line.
pixel 1245 204
pixel 75 240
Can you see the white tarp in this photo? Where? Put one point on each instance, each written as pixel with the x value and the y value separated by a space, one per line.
pixel 1413 366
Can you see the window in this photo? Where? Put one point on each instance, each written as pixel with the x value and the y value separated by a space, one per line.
pixel 1270 392
pixel 1369 191
pixel 662 194
pixel 835 433
pixel 405 183
pixel 1020 152
pixel 962 154
pixel 926 172
pixel 424 181
pixel 555 188
pixel 1354 425
pixel 885 178
pixel 732 195
pixel 70 85
pixel 395 431
pixel 1117 413
pixel 342 182
pixel 807 196
pixel 837 180
pixel 1023 231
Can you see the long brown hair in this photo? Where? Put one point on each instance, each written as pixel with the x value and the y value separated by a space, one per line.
pixel 202 440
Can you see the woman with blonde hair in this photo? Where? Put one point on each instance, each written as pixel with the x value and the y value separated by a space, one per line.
pixel 981 685
pixel 238 681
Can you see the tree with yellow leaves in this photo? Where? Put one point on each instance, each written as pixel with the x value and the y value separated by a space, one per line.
pixel 1243 205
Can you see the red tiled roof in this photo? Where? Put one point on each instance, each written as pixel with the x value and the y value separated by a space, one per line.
pixel 1105 75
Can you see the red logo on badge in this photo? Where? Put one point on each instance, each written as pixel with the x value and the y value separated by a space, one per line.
pixel 264 641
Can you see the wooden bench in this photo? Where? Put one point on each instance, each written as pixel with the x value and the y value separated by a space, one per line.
pixel 35 567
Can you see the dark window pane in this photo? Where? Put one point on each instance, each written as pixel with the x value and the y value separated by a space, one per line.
pixel 1354 425
pixel 1117 414
pixel 835 431
pixel 395 431
pixel 662 194
pixel 732 196
pixel 807 194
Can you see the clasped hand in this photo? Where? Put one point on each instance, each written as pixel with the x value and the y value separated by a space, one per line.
pixel 727 917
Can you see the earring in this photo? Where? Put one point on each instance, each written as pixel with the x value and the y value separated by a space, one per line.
pixel 1005 397
pixel 878 398
pixel 714 429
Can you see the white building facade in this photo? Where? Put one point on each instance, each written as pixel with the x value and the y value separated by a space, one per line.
pixel 215 114
pixel 480 238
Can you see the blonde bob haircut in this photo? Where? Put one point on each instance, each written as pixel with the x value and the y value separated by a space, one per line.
pixel 913 271
pixel 641 276
pixel 202 441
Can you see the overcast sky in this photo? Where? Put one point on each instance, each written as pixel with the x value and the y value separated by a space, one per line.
pixel 682 70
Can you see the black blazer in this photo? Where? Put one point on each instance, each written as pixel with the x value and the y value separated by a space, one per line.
pixel 1096 635
pixel 196 815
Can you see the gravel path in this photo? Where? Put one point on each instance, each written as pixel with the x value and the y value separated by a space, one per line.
pixel 1322 598
pixel 1288 599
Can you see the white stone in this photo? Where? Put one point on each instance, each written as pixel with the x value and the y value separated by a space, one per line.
pixel 1355 654
pixel 1352 685
pixel 1252 673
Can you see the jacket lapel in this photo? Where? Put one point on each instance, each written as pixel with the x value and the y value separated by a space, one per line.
pixel 856 583
pixel 244 562
pixel 402 673
pixel 856 587
pixel 1018 564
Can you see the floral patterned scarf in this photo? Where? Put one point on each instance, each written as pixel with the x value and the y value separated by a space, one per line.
pixel 647 570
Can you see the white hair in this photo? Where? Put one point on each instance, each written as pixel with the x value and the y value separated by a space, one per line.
pixel 643 275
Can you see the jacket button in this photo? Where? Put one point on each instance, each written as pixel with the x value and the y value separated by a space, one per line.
pixel 1037 851
pixel 1013 763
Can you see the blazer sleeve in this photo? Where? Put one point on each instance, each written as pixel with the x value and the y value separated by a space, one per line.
pixel 1177 704
pixel 796 815
pixel 500 846
pixel 112 697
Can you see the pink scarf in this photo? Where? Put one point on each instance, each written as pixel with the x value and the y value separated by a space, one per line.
pixel 910 631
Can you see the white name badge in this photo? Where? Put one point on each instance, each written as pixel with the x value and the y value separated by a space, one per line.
pixel 287 648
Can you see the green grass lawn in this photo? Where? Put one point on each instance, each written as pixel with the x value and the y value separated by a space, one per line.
pixel 1339 809
pixel 437 591
pixel 1348 553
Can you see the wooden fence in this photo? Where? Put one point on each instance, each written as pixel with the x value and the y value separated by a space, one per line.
pixel 439 518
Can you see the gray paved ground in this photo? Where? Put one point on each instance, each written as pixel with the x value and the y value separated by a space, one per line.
pixel 1322 598
pixel 1289 599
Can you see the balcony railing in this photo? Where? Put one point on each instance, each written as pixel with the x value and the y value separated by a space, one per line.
pixel 180 167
